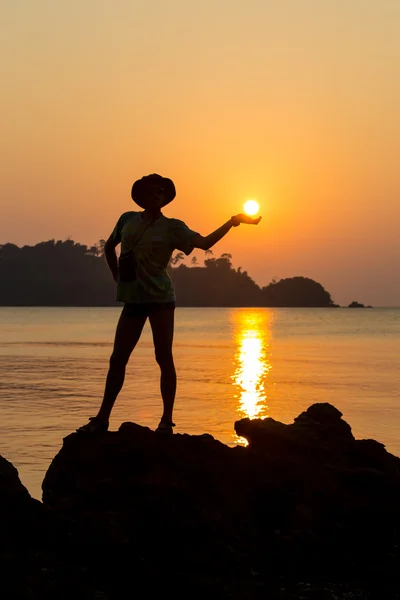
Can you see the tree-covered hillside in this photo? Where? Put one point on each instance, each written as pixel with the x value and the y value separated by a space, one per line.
pixel 66 273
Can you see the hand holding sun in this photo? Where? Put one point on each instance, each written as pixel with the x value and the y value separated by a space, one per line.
pixel 250 208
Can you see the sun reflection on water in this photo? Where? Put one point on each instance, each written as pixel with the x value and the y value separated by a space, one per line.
pixel 251 363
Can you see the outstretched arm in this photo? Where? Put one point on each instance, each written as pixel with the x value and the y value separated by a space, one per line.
pixel 206 242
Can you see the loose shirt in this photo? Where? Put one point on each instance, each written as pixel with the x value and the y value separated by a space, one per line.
pixel 152 245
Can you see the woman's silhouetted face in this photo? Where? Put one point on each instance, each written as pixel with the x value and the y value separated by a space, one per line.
pixel 154 196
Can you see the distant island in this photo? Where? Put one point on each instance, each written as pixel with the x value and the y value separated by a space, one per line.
pixel 66 273
pixel 357 305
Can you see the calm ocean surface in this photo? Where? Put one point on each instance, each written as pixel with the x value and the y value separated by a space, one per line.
pixel 231 363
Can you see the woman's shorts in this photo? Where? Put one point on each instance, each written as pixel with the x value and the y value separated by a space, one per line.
pixel 145 310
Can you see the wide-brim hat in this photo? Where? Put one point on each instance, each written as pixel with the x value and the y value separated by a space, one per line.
pixel 140 186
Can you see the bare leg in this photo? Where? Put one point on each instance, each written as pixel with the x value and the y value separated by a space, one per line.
pixel 162 326
pixel 127 335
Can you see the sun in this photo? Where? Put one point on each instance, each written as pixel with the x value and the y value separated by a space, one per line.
pixel 251 207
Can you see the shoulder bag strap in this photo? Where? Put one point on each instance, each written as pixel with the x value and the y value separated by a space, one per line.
pixel 139 233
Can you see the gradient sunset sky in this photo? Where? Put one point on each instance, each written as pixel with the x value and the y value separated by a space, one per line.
pixel 295 103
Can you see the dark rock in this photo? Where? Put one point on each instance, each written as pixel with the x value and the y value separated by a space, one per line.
pixel 305 511
pixel 34 547
pixel 322 412
pixel 13 493
pixel 319 433
pixel 325 420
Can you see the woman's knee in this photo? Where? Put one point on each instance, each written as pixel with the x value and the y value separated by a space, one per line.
pixel 164 358
pixel 118 361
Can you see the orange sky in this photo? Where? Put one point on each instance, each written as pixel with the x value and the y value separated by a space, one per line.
pixel 292 102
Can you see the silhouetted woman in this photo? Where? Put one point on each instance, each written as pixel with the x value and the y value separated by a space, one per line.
pixel 148 239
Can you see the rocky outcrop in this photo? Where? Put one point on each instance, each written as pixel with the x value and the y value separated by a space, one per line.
pixel 304 510
pixel 34 557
